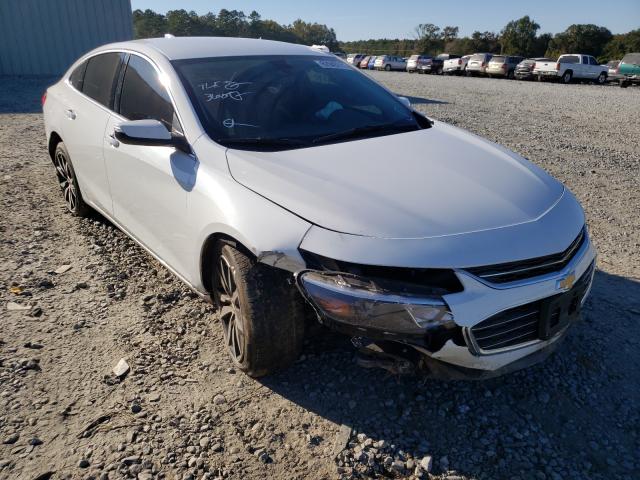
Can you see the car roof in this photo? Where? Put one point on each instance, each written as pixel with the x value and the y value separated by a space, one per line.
pixel 180 48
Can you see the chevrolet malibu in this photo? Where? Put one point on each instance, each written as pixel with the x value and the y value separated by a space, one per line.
pixel 276 180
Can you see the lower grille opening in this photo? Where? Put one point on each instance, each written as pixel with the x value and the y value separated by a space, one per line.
pixel 537 320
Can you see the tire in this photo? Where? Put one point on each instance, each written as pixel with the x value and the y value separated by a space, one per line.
pixel 68 182
pixel 468 73
pixel 387 68
pixel 260 313
pixel 567 77
pixel 439 71
pixel 602 78
pixel 511 75
pixel 624 84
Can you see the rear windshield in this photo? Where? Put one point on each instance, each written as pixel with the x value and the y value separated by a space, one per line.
pixel 569 59
pixel 632 58
pixel 477 57
pixel 414 57
pixel 498 59
pixel 286 98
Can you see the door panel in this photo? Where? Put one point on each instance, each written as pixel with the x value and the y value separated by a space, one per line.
pixel 83 131
pixel 149 189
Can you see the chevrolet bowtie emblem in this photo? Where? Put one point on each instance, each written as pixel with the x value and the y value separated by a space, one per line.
pixel 567 282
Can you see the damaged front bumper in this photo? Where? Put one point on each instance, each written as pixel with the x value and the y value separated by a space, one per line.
pixel 442 327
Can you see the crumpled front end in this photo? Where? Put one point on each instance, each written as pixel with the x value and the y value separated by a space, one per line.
pixel 468 319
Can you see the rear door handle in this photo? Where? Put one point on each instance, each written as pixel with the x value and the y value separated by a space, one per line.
pixel 70 114
pixel 113 141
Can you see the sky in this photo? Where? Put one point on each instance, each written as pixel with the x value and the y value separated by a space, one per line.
pixel 364 19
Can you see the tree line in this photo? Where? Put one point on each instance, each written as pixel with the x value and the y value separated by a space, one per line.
pixel 518 37
pixel 230 23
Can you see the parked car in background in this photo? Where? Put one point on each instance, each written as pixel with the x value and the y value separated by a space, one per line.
pixel 573 66
pixel 503 66
pixel 372 62
pixel 436 65
pixel 524 70
pixel 477 64
pixel 472 257
pixel 629 69
pixel 416 60
pixel 455 65
pixel 364 63
pixel 355 58
pixel 390 62
pixel 612 74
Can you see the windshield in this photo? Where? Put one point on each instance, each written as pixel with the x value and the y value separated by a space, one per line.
pixel 294 99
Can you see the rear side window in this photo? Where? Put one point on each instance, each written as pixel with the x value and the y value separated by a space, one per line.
pixel 101 76
pixel 77 76
pixel 143 96
pixel 569 59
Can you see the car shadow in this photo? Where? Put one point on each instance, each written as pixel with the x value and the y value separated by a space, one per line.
pixel 557 409
pixel 23 94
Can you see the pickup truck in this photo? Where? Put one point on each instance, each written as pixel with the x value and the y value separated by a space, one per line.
pixel 570 67
pixel 455 65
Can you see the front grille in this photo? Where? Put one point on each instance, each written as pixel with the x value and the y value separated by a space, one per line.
pixel 537 320
pixel 511 327
pixel 512 271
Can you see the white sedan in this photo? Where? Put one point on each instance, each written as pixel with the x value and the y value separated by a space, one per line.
pixel 273 178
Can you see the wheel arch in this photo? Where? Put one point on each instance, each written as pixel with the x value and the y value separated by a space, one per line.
pixel 208 252
pixel 54 140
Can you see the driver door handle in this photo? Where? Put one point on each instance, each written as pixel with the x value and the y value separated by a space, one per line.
pixel 70 114
pixel 113 141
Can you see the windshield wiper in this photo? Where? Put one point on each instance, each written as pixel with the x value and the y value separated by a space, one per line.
pixel 367 129
pixel 263 142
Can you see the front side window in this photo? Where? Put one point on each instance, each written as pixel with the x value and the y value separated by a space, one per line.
pixel 77 76
pixel 100 77
pixel 306 99
pixel 143 96
pixel 593 61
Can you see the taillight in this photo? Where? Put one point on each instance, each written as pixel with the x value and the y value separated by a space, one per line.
pixel 533 67
pixel 504 66
pixel 483 64
pixel 459 61
pixel 44 98
pixel 558 66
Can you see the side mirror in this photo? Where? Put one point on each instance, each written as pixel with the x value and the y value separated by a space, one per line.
pixel 405 101
pixel 150 133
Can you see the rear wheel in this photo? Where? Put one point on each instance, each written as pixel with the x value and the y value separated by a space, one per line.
pixel 567 77
pixel 624 84
pixel 387 68
pixel 261 314
pixel 602 78
pixel 69 182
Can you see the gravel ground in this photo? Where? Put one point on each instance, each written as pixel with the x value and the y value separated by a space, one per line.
pixel 183 412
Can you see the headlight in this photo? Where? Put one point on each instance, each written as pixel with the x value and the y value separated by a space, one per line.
pixel 364 303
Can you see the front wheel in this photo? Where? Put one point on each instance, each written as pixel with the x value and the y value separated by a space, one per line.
pixel 69 182
pixel 261 314
pixel 602 78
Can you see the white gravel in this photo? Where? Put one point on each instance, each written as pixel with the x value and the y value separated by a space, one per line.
pixel 183 412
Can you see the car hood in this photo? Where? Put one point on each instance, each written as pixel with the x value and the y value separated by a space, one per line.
pixel 428 183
